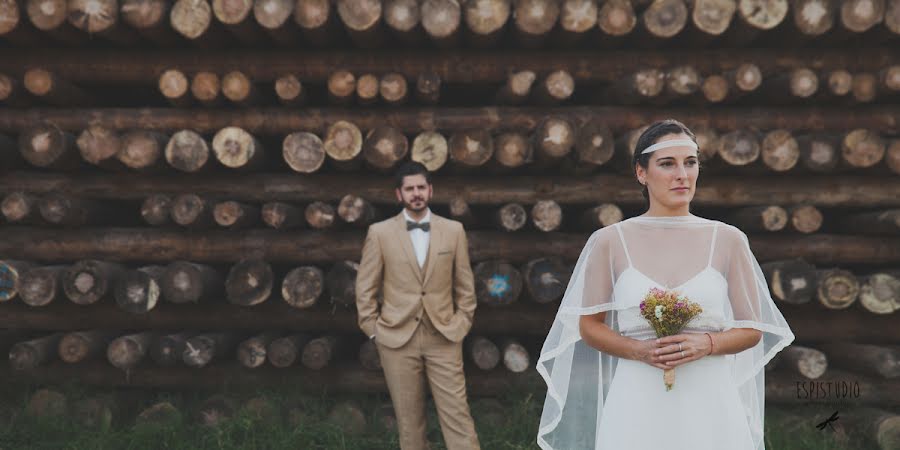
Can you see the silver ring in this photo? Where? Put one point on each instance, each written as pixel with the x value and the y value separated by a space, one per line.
pixel 679 346
pixel 682 353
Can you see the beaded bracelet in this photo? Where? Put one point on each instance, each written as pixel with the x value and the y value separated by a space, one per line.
pixel 711 344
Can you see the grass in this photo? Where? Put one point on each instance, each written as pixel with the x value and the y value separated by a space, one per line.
pixel 509 424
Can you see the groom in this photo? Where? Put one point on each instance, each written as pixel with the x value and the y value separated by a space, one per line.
pixel 420 262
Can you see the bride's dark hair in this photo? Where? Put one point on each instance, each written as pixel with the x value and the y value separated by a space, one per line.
pixel 649 137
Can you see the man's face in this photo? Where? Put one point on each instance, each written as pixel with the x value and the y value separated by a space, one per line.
pixel 414 193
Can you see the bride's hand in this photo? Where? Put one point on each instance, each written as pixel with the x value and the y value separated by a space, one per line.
pixel 644 351
pixel 679 349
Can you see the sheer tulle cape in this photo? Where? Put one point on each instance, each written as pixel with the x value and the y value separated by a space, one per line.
pixel 669 249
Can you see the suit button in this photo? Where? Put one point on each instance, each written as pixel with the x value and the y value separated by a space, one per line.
pixel 417 319
pixel 423 292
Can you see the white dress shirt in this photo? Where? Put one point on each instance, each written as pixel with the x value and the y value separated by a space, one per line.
pixel 419 237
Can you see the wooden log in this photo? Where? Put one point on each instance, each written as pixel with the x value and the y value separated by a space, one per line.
pixel 47 404
pixel 430 148
pixel 576 19
pixel 515 356
pixel 442 20
pixel 320 215
pixel 512 150
pixel 546 215
pixel 534 19
pixel 340 282
pixel 556 87
pixel 791 281
pixel 892 155
pixel 201 350
pixel 343 142
pixel 143 150
pixel 237 16
pixel 892 16
pixel 780 151
pixel 261 409
pixel 368 355
pixel 284 352
pixel 739 148
pixel 88 281
pixel 21 208
pixel 290 90
pixel 341 87
pixel 249 282
pixel 875 360
pixel 150 18
pixel 517 88
pixel 864 87
pixel 187 282
pixel 385 147
pixel 858 16
pixel 356 211
pixel 807 362
pixel 885 222
pixel 175 87
pixel 158 413
pixel 708 141
pixel 484 353
pixel 428 88
pixel 616 18
pixel 235 215
pixel 744 79
pixel 349 417
pixel 156 210
pixel 714 89
pixel 712 17
pixel 367 89
pixel 471 148
pixel 755 17
pixel 393 88
pixel 320 352
pixel 99 146
pixel 819 152
pixel 317 21
pixel 545 279
pixel 511 217
pixel 837 288
pixel 682 81
pixel 84 345
pixel 497 283
pixel 759 218
pixel 187 151
pixel 167 349
pixel 889 77
pixel 60 209
pixel 637 87
pixel 879 428
pixel 238 88
pixel 880 293
pixel 30 354
pixel 862 148
pixel 554 138
pixel 460 211
pixel 251 353
pixel 304 152
pixel 362 20
pixel 404 19
pixel 101 18
pixel 594 145
pixel 600 216
pixel 192 211
pixel 303 286
pixel 800 83
pixel 215 411
pixel 274 16
pixel 813 17
pixel 54 90
pixel 837 83
pixel 206 87
pixel 193 20
pixel 137 291
pixel 805 218
pixel 96 413
pixel 11 272
pixel 49 147
pixel 40 286
pixel 664 19
pixel 282 216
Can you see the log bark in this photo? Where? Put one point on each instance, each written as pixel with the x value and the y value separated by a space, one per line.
pixel 343 141
pixel 127 352
pixel 791 281
pixel 21 208
pixel 837 289
pixel 515 356
pixel 201 350
pixel 875 360
pixel 284 352
pixel 99 146
pixel 236 215
pixel 63 210
pixel 739 148
pixel 368 355
pixel 512 150
pixel 156 210
pixel 759 218
pixel 303 286
pixel 497 283
pixel 511 217
pixel 780 151
pixel 517 88
pixel 385 147
pixel 282 216
pixel 40 286
pixel 546 279
pixel 151 20
pixel 30 354
pixel 84 345
pixel 137 291
pixel 892 155
pixel 430 148
pixel 471 148
pixel 428 88
pixel 206 87
pixel 484 353
pixel 167 350
pixel 356 211
pixel 862 148
pixel 320 352
pixel 11 272
pixel 819 153
pixel 49 147
pixel 546 215
pixel 805 219
pixel 187 282
pixel 320 215
pixel 340 282
pixel 192 211
pixel 808 362
pixel 88 281
pixel 49 87
pixel 880 293
pixel 600 216
pixel 143 150
pixel 289 90
pixel 249 282
pixel 187 151
pixel 251 353
pixel 886 222
pixel 304 152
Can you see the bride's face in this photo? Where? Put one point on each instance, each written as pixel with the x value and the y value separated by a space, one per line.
pixel 671 175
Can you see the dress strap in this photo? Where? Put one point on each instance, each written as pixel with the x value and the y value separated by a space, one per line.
pixel 625 247
pixel 712 245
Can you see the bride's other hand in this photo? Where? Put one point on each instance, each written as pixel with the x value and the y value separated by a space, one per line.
pixel 645 351
pixel 679 349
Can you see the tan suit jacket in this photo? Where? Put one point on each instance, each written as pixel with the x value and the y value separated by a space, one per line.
pixel 444 289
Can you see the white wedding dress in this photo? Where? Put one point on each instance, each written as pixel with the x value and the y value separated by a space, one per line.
pixel 716 402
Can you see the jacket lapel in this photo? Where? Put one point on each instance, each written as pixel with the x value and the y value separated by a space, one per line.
pixel 434 239
pixel 402 236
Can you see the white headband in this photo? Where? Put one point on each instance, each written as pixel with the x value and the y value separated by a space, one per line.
pixel 671 143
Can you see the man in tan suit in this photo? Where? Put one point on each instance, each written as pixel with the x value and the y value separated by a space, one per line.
pixel 420 262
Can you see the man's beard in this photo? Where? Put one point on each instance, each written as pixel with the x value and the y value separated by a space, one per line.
pixel 410 207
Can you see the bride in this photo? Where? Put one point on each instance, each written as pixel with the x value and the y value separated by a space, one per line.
pixel 602 362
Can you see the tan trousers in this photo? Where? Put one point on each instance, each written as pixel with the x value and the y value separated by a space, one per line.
pixel 429 355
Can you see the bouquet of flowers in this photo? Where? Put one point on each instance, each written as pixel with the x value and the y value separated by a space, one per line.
pixel 668 312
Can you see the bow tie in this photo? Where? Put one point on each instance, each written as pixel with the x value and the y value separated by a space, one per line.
pixel 424 226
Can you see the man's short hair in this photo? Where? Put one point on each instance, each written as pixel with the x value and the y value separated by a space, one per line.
pixel 410 168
